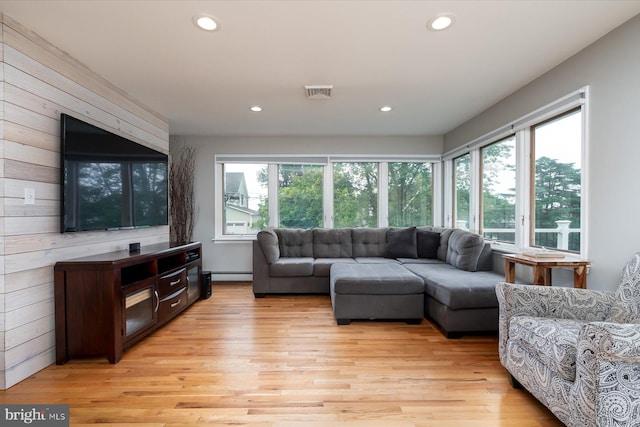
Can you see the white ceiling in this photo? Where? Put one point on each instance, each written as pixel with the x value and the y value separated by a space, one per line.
pixel 374 53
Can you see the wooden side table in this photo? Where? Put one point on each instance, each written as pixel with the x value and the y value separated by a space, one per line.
pixel 542 269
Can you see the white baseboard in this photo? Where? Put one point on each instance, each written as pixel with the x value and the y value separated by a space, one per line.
pixel 231 277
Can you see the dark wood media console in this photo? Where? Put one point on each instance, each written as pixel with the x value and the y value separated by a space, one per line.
pixel 106 303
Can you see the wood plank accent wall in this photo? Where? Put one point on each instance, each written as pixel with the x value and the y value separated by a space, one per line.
pixel 38 81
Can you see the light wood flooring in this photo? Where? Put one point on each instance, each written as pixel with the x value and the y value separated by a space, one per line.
pixel 283 361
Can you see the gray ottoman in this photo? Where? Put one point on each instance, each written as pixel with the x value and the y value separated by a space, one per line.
pixel 376 291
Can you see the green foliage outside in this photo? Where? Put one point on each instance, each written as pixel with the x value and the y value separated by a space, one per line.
pixel 462 183
pixel 557 195
pixel 355 190
pixel 355 195
pixel 498 202
pixel 300 196
pixel 556 198
pixel 410 194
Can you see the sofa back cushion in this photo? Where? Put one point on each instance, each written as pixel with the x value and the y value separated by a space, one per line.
pixel 445 233
pixel 295 242
pixel 332 243
pixel 369 242
pixel 464 249
pixel 268 242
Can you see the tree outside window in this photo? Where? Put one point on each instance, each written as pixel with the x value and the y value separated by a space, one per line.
pixel 557 184
pixel 499 190
pixel 410 194
pixel 300 196
pixel 462 185
pixel 355 194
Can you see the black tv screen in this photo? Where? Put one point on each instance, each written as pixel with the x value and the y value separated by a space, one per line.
pixel 109 182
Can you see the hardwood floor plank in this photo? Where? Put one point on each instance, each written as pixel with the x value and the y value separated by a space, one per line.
pixel 283 361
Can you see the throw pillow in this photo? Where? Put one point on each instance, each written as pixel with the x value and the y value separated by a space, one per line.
pixel 428 243
pixel 401 243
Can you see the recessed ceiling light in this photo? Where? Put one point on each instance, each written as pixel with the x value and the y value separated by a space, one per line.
pixel 385 109
pixel 440 22
pixel 256 108
pixel 205 22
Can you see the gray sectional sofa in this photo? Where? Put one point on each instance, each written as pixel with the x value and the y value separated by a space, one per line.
pixel 440 273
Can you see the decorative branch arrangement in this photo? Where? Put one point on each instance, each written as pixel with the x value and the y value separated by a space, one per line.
pixel 182 209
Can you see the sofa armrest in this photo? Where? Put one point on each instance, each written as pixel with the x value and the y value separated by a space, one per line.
pixel 260 271
pixel 607 387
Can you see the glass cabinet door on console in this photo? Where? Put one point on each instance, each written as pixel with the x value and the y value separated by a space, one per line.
pixel 193 280
pixel 141 306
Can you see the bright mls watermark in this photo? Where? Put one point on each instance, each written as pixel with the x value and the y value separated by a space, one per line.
pixel 35 415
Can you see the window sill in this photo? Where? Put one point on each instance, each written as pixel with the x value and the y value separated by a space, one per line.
pixel 234 239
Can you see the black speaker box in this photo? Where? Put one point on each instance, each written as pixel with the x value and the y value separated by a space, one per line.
pixel 206 285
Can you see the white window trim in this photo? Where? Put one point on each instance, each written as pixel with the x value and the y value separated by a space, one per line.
pixel 574 99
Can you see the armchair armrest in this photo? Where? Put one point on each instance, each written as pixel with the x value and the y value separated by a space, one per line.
pixel 556 302
pixel 546 301
pixel 607 386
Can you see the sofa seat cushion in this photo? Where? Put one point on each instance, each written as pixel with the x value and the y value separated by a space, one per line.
pixel 374 279
pixel 375 260
pixel 419 261
pixel 458 289
pixel 552 341
pixel 322 266
pixel 291 267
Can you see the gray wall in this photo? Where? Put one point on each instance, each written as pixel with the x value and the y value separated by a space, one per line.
pixel 611 68
pixel 236 256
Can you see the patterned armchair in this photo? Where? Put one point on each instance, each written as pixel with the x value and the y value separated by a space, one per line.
pixel 576 350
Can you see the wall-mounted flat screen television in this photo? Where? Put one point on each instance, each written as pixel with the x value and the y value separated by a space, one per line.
pixel 109 182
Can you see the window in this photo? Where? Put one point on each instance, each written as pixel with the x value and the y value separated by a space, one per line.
pixel 525 181
pixel 556 148
pixel 300 190
pixel 245 198
pixel 355 194
pixel 462 185
pixel 322 191
pixel 410 194
pixel 499 190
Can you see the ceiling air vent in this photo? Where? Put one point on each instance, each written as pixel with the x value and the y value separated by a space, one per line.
pixel 318 91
